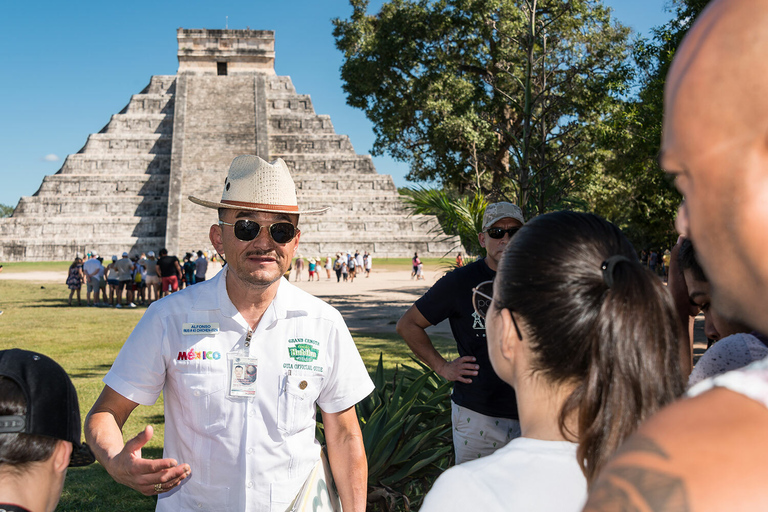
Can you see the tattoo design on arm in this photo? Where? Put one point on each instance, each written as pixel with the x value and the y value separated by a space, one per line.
pixel 633 488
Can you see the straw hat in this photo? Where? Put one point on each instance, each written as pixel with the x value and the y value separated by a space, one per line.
pixel 260 186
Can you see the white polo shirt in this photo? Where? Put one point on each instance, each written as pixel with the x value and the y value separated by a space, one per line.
pixel 250 454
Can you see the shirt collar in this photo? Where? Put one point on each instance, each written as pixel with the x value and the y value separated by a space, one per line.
pixel 286 299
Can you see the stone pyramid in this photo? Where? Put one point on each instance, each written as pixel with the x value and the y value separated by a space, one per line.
pixel 127 188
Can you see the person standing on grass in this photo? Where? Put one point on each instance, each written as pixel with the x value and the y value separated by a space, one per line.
pixel 39 431
pixel 92 270
pixel 201 267
pixel 169 271
pixel 247 442
pixel 484 412
pixel 112 280
pixel 125 268
pixel 153 281
pixel 75 279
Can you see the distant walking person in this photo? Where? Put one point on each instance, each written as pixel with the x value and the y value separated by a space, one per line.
pixel 416 262
pixel 328 266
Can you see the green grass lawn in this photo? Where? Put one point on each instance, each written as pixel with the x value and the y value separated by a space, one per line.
pixel 85 342
pixel 35 266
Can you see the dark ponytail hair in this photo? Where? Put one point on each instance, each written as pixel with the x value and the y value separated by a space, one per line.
pixel 617 345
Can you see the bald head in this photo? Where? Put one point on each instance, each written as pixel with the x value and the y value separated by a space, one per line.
pixel 715 140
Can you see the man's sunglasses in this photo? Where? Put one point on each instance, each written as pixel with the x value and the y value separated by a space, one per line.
pixel 498 233
pixel 247 230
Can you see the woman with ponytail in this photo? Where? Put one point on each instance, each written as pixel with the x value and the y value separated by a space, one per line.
pixel 588 339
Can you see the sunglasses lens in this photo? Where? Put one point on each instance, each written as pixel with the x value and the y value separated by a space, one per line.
pixel 498 233
pixel 282 232
pixel 246 230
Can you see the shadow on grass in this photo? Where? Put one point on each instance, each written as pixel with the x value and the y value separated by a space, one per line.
pixel 91 488
pixel 92 371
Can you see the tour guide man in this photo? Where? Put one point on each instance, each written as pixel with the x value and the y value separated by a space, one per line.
pixel 484 411
pixel 231 445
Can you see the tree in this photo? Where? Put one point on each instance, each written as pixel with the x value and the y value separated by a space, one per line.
pixel 645 203
pixel 506 97
pixel 6 210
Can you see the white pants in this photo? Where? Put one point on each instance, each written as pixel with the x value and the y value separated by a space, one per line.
pixel 476 435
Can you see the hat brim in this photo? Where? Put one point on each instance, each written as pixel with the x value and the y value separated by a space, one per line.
pixel 217 205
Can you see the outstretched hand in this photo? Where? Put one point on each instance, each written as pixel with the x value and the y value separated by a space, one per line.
pixel 148 476
pixel 459 369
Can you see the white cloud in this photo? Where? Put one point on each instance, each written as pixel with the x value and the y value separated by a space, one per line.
pixel 51 158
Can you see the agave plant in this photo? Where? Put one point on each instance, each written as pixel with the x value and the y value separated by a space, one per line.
pixel 406 426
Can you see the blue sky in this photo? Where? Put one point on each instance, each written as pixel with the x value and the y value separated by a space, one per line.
pixel 68 66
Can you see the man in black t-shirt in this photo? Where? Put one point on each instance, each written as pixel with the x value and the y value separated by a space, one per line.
pixel 484 411
pixel 169 272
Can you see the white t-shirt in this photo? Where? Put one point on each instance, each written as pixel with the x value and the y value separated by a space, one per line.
pixel 526 475
pixel 730 353
pixel 93 268
pixel 246 454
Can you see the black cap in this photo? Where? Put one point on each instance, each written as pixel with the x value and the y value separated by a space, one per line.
pixel 52 408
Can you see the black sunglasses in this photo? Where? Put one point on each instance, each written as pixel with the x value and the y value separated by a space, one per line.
pixel 247 230
pixel 498 233
pixel 482 296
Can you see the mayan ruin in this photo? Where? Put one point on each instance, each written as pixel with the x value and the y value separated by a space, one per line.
pixel 127 188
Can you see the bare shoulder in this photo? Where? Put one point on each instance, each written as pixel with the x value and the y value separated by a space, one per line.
pixel 708 453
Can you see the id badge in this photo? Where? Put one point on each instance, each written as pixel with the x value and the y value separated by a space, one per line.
pixel 242 375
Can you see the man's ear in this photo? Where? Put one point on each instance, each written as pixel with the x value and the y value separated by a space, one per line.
pixel 61 456
pixel 214 234
pixel 481 239
pixel 296 245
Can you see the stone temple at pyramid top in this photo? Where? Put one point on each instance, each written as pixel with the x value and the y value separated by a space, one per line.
pixel 127 188
pixel 222 52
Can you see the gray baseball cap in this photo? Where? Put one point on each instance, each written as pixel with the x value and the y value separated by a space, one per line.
pixel 497 211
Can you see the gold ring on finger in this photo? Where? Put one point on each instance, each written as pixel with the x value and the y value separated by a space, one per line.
pixel 158 487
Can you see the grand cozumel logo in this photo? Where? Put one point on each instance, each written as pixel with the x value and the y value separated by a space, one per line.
pixel 303 352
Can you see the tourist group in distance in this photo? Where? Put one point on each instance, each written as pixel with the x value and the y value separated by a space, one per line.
pixel 136 278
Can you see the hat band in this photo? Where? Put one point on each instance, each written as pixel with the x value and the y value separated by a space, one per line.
pixel 262 206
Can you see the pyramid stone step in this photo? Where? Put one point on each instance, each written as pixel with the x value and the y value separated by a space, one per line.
pixel 101 185
pixel 85 163
pixel 140 123
pixel 150 104
pixel 153 143
pixel 86 228
pixel 367 183
pixel 341 166
pixel 293 124
pixel 290 144
pixel 112 206
pixel 161 84
pixel 35 249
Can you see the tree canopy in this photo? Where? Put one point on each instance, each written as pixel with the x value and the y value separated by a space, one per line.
pixel 506 97
pixel 635 192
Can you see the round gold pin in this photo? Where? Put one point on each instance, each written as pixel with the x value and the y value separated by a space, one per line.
pixel 303 384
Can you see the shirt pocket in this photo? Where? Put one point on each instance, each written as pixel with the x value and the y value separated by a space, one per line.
pixel 297 401
pixel 205 404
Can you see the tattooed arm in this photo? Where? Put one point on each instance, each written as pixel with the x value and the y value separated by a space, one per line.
pixel 708 453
